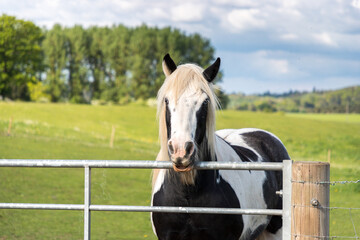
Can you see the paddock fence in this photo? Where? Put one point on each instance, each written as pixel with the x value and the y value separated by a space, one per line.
pixel 296 193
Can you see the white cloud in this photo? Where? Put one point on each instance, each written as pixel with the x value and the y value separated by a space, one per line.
pixel 325 38
pixel 279 65
pixel 187 12
pixel 245 19
pixel 156 13
pixel 356 4
pixel 124 4
pixel 269 63
pixel 289 36
pixel 238 3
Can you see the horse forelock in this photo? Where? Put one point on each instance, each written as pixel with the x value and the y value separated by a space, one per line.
pixel 186 78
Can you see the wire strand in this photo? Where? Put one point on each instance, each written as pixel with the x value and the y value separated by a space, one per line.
pixel 327 182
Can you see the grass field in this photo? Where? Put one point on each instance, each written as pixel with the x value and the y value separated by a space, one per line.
pixel 62 131
pixel 341 118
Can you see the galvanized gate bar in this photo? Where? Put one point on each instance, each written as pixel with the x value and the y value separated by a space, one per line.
pixel 126 208
pixel 273 166
pixel 87 202
pixel 200 210
pixel 286 199
pixel 41 206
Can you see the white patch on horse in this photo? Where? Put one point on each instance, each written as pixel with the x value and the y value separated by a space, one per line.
pixel 218 179
pixel 234 137
pixel 159 181
pixel 248 191
pixel 249 130
pixel 183 120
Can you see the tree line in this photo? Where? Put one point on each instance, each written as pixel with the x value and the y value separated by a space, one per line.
pixel 346 100
pixel 78 64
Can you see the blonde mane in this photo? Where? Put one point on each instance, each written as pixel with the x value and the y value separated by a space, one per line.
pixel 187 77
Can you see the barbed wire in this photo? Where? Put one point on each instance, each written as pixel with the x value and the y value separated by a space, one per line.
pixel 330 208
pixel 327 182
pixel 332 183
pixel 324 237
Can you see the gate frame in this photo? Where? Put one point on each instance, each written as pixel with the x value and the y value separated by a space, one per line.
pixel 87 207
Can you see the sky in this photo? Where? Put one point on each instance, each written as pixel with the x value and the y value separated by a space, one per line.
pixel 264 45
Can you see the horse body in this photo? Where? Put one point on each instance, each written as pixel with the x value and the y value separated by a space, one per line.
pixel 255 189
pixel 188 136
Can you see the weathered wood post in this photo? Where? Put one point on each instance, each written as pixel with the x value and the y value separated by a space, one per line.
pixel 310 200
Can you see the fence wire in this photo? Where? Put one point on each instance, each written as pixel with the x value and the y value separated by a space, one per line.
pixel 331 183
pixel 327 182
pixel 323 237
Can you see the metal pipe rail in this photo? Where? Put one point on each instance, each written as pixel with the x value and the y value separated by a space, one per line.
pixel 274 166
pixel 284 166
pixel 125 208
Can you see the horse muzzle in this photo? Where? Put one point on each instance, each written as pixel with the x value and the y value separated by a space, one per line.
pixel 182 166
pixel 181 157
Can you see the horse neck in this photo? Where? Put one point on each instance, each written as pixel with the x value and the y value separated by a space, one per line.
pixel 205 151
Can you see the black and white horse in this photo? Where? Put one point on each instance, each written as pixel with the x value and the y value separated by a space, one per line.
pixel 186 111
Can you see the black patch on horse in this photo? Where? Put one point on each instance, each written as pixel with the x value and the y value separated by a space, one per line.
pixel 245 154
pixel 201 115
pixel 209 190
pixel 205 193
pixel 266 145
pixel 168 119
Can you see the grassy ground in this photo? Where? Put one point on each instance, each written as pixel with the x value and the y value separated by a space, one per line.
pixel 61 131
pixel 341 118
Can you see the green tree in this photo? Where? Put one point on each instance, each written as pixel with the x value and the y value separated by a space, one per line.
pixel 21 56
pixel 96 58
pixel 143 62
pixel 54 47
pixel 77 42
pixel 117 86
pixel 110 63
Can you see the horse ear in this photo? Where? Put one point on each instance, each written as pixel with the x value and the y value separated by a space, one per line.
pixel 211 72
pixel 168 65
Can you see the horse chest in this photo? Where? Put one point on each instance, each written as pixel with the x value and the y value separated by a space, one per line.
pixel 197 226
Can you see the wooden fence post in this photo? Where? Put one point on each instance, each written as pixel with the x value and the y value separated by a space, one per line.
pixel 310 200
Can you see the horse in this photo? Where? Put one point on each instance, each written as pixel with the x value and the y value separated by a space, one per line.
pixel 186 105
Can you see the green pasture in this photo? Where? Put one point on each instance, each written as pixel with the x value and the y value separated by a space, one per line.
pixel 63 131
pixel 333 117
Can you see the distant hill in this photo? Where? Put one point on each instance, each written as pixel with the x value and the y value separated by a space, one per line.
pixel 346 100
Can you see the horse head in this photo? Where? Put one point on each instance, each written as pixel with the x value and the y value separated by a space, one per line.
pixel 186 105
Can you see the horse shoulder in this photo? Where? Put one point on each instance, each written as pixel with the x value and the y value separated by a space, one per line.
pixel 162 156
pixel 247 185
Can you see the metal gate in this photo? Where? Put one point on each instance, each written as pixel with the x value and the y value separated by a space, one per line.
pixel 87 207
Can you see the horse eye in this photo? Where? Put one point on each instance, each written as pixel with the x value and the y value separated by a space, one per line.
pixel 166 101
pixel 206 102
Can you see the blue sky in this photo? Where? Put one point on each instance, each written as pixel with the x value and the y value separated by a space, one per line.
pixel 265 45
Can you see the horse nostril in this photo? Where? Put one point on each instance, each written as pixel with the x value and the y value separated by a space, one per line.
pixel 170 146
pixel 189 147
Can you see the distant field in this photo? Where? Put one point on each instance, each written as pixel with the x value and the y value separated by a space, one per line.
pixel 344 118
pixel 62 131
